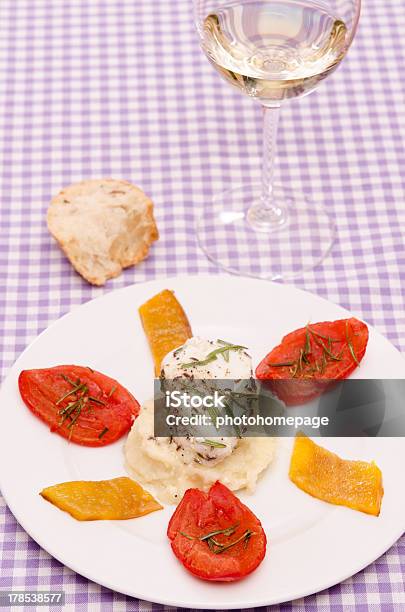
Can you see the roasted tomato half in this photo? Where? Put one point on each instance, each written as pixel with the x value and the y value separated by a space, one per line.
pixel 310 359
pixel 215 536
pixel 78 403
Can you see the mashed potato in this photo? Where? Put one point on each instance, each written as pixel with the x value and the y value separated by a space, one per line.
pixel 156 463
pixel 169 466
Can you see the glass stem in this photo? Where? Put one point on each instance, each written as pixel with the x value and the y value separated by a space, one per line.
pixel 271 119
pixel 267 215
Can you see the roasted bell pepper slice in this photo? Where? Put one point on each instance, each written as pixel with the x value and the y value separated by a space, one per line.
pixel 322 474
pixel 116 499
pixel 166 325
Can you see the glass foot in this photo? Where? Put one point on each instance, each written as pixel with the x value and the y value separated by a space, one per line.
pixel 237 235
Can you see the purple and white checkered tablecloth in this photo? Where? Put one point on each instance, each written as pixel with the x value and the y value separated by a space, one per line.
pixel 93 88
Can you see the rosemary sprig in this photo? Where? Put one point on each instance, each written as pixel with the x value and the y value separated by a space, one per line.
pixel 67 412
pixel 219 547
pixel 96 400
pixel 72 411
pixel 211 545
pixel 247 539
pixel 307 347
pixel 198 362
pixel 213 413
pixel 187 536
pixel 213 355
pixel 323 363
pixel 76 389
pixel 213 443
pixel 327 350
pixel 328 338
pixel 77 412
pixel 234 394
pixel 284 364
pixel 71 382
pixel 350 345
pixel 73 408
pixel 245 536
pixel 112 391
pixel 303 366
pixel 225 355
pixel 226 532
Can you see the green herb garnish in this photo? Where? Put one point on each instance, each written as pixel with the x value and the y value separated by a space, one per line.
pixel 244 537
pixel 76 388
pixel 213 443
pixel 73 409
pixel 187 536
pixel 219 547
pixel 350 345
pixel 227 532
pixel 213 355
pixel 284 364
pixel 96 400
pixel 305 367
pixel 327 350
pixel 112 391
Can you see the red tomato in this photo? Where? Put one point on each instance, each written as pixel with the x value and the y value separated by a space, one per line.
pixel 298 368
pixel 215 536
pixel 79 403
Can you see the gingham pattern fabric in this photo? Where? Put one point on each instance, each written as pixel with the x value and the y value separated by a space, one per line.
pixel 93 88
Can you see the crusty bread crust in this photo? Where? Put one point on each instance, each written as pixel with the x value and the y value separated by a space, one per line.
pixel 102 226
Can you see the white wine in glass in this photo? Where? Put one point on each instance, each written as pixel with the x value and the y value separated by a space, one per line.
pixel 271 50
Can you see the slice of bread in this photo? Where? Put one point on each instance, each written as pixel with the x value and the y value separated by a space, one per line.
pixel 102 226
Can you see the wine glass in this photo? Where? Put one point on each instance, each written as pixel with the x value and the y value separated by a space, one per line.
pixel 271 50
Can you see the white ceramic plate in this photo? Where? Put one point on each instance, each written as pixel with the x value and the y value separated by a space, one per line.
pixel 312 545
